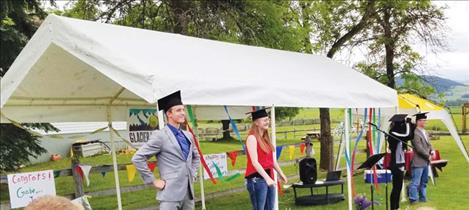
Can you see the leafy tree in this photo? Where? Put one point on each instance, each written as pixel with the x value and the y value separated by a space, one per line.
pixel 331 26
pixel 18 22
pixel 399 24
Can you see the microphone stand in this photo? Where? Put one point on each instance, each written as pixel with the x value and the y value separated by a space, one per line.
pixel 385 146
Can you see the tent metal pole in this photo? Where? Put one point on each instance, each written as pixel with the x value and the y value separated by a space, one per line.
pixel 126 104
pixel 274 142
pixel 201 170
pixel 347 150
pixel 114 159
pixel 202 191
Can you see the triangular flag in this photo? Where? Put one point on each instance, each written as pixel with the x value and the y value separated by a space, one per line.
pixel 302 148
pixel 79 171
pixel 104 169
pixel 232 156
pixel 56 174
pixel 131 170
pixel 279 151
pixel 86 172
pixel 82 201
pixel 291 151
pixel 151 166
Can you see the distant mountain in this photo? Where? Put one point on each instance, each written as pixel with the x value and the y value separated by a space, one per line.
pixel 440 84
pixel 456 93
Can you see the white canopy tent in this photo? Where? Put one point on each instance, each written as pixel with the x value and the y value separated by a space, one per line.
pixel 75 70
pixel 412 104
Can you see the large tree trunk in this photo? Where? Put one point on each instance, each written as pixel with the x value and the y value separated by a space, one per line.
pixel 226 129
pixel 389 47
pixel 389 66
pixel 327 142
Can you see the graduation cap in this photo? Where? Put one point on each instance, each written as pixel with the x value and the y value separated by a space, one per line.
pixel 420 116
pixel 398 118
pixel 169 101
pixel 258 114
pixel 371 161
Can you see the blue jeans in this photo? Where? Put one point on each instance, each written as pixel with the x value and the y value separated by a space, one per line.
pixel 262 196
pixel 418 185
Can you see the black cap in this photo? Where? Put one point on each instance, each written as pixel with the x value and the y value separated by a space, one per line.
pixel 258 114
pixel 420 116
pixel 371 161
pixel 398 118
pixel 169 101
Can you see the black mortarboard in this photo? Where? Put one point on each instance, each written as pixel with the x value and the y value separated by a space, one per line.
pixel 258 114
pixel 169 101
pixel 398 118
pixel 420 116
pixel 371 161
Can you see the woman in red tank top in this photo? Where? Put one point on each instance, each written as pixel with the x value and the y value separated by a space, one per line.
pixel 261 163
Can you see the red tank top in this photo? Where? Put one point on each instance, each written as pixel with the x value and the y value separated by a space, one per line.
pixel 266 160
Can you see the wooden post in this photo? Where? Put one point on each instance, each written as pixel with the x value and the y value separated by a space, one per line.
pixel 76 177
pixel 464 115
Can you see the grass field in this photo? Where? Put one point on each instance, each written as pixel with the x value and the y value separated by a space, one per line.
pixel 445 194
pixel 451 191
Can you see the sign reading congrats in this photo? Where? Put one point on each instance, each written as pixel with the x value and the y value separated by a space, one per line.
pixel 25 187
pixel 220 161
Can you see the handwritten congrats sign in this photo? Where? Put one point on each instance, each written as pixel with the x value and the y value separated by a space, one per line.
pixel 220 161
pixel 25 187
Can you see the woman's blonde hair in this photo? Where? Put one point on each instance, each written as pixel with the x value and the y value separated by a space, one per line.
pixel 264 140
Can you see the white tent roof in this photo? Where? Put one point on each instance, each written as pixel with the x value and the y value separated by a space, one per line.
pixel 72 69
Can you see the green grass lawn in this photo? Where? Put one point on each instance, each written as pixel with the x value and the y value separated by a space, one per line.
pixel 451 191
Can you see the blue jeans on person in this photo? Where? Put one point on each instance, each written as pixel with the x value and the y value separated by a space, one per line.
pixel 418 185
pixel 262 196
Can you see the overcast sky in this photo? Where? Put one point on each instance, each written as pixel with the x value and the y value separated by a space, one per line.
pixel 454 64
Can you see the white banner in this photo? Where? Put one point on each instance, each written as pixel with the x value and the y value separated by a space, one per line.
pixel 220 160
pixel 141 123
pixel 25 187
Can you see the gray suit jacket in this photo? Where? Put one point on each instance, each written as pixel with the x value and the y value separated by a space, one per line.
pixel 422 149
pixel 178 173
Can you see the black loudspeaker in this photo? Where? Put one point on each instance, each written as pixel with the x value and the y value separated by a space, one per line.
pixel 308 170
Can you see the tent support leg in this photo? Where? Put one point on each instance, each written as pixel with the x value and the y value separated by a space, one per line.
pixel 347 150
pixel 202 191
pixel 114 159
pixel 274 142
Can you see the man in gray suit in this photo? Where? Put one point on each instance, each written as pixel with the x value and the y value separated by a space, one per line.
pixel 177 158
pixel 420 161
